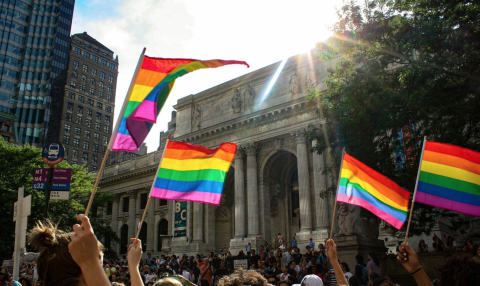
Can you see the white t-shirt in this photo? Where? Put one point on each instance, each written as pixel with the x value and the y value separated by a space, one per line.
pixel 186 275
pixel 149 277
pixel 284 277
pixel 348 275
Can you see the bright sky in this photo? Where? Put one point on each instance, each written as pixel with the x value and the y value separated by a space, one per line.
pixel 260 32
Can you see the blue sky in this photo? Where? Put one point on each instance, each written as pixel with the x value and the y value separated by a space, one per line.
pixel 260 32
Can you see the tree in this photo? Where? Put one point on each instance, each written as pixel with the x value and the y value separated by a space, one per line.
pixel 401 64
pixel 18 164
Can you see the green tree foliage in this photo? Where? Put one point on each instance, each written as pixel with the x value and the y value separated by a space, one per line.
pixel 401 63
pixel 17 168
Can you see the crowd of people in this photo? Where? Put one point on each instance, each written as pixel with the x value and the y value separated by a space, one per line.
pixel 77 259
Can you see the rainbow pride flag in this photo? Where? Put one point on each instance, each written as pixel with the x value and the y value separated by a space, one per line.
pixel 362 186
pixel 450 178
pixel 151 88
pixel 192 172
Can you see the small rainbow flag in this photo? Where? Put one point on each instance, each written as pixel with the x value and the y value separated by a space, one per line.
pixel 192 172
pixel 151 88
pixel 450 178
pixel 362 186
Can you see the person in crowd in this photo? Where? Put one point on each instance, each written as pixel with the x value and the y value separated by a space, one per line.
pixel 206 273
pixel 75 259
pixel 24 281
pixel 221 272
pixel 374 264
pixel 149 275
pixel 168 282
pixel 309 253
pixel 422 247
pixel 372 277
pixel 311 243
pixel 476 258
pixel 317 271
pixel 451 243
pixel 468 245
pixel 346 270
pixel 248 248
pixel 297 257
pixel 186 273
pixel 281 283
pixel 288 256
pixel 294 242
pixel 284 275
pixel 331 252
pixel 303 269
pixel 361 269
pixel 254 258
pixel 312 280
pixel 281 242
pixel 242 277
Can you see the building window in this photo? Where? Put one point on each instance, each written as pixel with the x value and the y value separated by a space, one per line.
pixel 92 82
pixel 106 129
pixel 79 120
pixel 99 105
pixel 68 117
pixel 84 78
pixel 92 91
pixel 109 97
pixel 112 66
pixel 82 87
pixel 78 131
pixel 78 51
pixel 80 109
pixel 100 94
pixel 89 112
pixel 98 125
pixel 104 149
pixel 109 88
pixel 96 137
pixel 143 200
pixel 66 152
pixel 98 115
pixel 85 156
pixel 126 201
pixel 104 62
pixel 87 134
pixel 75 153
pixel 163 203
pixel 70 106
pixel 66 139
pixel 67 128
pixel 95 147
pixel 105 140
pixel 90 102
pixel 86 145
pixel 74 74
pixel 94 72
pixel 88 123
pixel 75 64
pixel 100 84
pixel 85 68
pixel 102 75
pixel 76 142
pixel 95 59
pixel 86 55
pixel 107 118
pixel 95 159
pixel 71 95
pixel 110 78
pixel 72 84
pixel 81 99
pixel 108 108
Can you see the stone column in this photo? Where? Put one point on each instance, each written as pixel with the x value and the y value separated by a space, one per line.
pixel 189 221
pixel 198 222
pixel 303 181
pixel 239 195
pixel 321 210
pixel 114 224
pixel 151 225
pixel 132 203
pixel 252 190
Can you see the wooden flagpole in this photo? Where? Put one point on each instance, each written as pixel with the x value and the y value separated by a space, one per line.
pixel 415 191
pixel 336 195
pixel 151 189
pixel 115 131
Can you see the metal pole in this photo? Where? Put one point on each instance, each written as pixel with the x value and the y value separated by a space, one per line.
pixel 48 190
pixel 18 231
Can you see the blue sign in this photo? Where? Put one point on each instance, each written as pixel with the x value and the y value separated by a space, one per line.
pixel 60 186
pixel 53 154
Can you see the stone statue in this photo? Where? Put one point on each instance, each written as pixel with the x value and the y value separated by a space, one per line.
pixel 237 101
pixel 295 84
pixel 249 96
pixel 351 223
pixel 196 115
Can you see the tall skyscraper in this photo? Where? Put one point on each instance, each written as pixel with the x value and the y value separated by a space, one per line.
pixel 34 42
pixel 87 114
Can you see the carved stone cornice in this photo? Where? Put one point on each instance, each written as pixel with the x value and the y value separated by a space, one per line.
pixel 300 135
pixel 240 152
pixel 252 148
pixel 132 194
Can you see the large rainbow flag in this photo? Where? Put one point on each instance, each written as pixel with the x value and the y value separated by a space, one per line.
pixel 362 186
pixel 450 178
pixel 151 88
pixel 192 172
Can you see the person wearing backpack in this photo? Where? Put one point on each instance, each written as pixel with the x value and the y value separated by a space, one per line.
pixel 361 269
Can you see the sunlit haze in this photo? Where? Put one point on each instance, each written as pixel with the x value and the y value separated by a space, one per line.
pixel 259 32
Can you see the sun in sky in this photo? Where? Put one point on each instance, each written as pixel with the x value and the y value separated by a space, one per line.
pixel 259 32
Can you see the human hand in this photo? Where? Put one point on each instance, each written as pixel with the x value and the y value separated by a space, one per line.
pixel 331 250
pixel 408 258
pixel 84 245
pixel 134 253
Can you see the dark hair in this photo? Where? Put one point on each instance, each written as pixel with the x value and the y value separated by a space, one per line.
pixel 458 271
pixel 243 277
pixel 374 258
pixel 374 276
pixel 359 258
pixel 448 242
pixel 346 266
pixel 24 279
pixel 355 281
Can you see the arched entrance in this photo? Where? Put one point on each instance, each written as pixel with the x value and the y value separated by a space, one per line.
pixel 124 239
pixel 281 175
pixel 143 236
pixel 162 230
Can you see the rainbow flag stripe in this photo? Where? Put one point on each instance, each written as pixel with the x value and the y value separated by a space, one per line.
pixel 450 178
pixel 192 172
pixel 362 186
pixel 152 86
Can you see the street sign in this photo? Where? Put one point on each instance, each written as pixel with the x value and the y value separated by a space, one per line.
pixel 40 178
pixel 53 154
pixel 61 184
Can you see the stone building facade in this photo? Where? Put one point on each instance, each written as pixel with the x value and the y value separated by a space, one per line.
pixel 272 187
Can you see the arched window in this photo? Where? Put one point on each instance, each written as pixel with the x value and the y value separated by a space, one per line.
pixel 74 74
pixel 124 241
pixel 162 230
pixel 84 78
